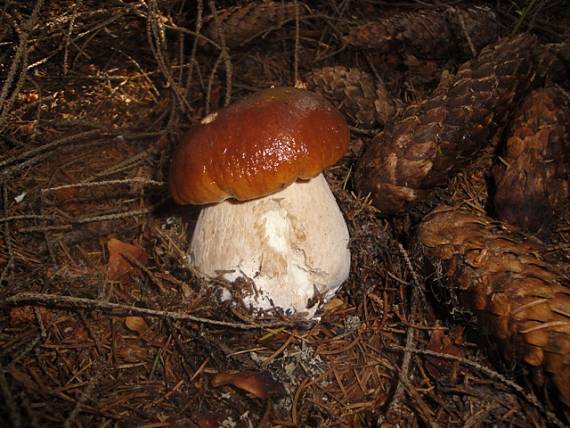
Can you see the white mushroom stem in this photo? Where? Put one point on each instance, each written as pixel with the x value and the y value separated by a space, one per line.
pixel 292 245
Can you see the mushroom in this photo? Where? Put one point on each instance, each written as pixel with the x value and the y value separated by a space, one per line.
pixel 272 218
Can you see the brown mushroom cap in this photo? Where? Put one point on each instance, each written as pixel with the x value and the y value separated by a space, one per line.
pixel 258 146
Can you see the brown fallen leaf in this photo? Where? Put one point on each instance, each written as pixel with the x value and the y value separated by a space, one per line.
pixel 136 324
pixel 119 267
pixel 260 384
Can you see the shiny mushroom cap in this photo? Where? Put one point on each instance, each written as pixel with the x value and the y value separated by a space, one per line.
pixel 258 146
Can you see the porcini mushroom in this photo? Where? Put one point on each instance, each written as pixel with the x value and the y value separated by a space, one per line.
pixel 272 218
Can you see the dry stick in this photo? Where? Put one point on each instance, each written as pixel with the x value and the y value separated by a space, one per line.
pixel 529 397
pixel 74 14
pixel 91 333
pixel 22 48
pixel 7 237
pixel 46 235
pixel 33 418
pixel 21 61
pixel 153 91
pixel 26 350
pixel 104 183
pixel 132 260
pixel 198 28
pixel 91 31
pixel 211 83
pixel 27 217
pixel 459 16
pixel 70 302
pixel 297 44
pixel 224 51
pixel 56 144
pixel 93 219
pixel 7 105
pixel 38 315
pixel 63 142
pixel 85 395
pixel 405 367
pixel 425 412
pixel 155 35
pixel 15 416
pixel 128 163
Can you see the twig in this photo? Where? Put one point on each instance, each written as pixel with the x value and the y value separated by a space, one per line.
pixel 459 17
pixel 74 14
pixel 199 21
pixel 7 238
pixel 156 39
pixel 85 395
pixel 104 183
pixel 530 398
pixel 410 338
pixel 128 163
pixel 211 83
pixel 56 144
pixel 20 59
pixel 83 220
pixel 225 56
pixel 91 332
pixel 70 302
pixel 142 267
pixel 297 44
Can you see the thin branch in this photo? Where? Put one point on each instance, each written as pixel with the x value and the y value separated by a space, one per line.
pixel 133 180
pixel 297 44
pixel 71 303
pixel 85 395
pixel 7 238
pixel 224 51
pixel 530 398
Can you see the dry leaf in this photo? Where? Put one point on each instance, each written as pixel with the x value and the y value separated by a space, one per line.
pixel 260 384
pixel 119 267
pixel 136 324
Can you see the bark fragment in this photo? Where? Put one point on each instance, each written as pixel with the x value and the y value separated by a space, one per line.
pixel 520 300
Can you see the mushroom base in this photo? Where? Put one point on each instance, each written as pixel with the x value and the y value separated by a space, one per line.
pixel 292 246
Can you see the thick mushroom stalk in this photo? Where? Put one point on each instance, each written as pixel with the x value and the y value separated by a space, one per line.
pixel 292 246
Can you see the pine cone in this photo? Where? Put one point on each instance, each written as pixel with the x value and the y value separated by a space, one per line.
pixel 355 93
pixel 520 300
pixel 535 186
pixel 432 140
pixel 429 33
pixel 240 24
pixel 554 63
